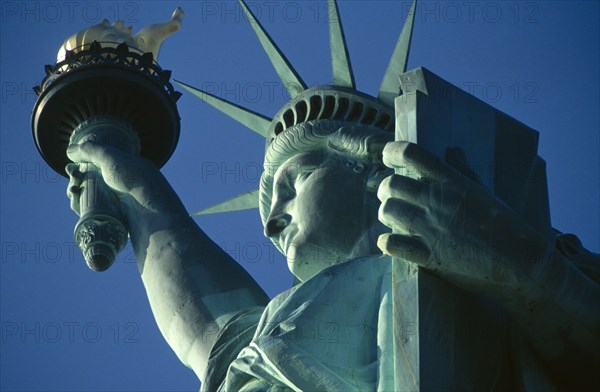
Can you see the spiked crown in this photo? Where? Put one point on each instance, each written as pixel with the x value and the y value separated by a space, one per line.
pixel 339 103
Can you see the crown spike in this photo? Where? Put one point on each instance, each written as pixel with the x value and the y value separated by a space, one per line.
pixel 290 78
pixel 340 60
pixel 256 122
pixel 245 201
pixel 390 86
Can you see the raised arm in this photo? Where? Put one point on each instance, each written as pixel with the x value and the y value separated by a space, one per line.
pixel 193 286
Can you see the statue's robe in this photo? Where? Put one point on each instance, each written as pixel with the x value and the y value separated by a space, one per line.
pixel 334 333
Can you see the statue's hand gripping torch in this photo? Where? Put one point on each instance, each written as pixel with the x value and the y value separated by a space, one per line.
pixel 101 232
pixel 115 94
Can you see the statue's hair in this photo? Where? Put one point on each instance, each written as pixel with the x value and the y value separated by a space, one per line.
pixel 359 142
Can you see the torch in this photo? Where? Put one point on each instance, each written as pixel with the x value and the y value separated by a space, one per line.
pixel 113 94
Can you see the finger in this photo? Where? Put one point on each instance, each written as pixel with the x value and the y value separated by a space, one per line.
pixel 75 178
pixel 407 248
pixel 74 193
pixel 404 188
pixel 86 152
pixel 404 218
pixel 74 203
pixel 120 170
pixel 105 157
pixel 415 162
pixel 73 170
pixel 74 187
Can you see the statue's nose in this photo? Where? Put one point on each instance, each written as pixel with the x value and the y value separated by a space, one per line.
pixel 276 224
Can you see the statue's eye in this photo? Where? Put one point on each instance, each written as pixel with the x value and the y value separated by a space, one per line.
pixel 303 172
pixel 284 188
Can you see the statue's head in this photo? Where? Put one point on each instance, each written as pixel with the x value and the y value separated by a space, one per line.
pixel 318 197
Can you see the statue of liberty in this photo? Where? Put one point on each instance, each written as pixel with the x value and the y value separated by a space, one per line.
pixel 363 217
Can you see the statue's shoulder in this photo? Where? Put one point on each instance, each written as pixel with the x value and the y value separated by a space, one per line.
pixel 586 261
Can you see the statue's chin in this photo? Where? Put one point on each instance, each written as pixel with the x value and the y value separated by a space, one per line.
pixel 308 260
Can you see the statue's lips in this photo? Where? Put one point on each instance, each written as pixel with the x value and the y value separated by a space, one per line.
pixel 286 239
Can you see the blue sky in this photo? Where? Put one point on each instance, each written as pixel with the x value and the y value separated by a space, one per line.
pixel 65 328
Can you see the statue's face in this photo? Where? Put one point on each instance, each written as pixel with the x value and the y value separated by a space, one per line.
pixel 321 213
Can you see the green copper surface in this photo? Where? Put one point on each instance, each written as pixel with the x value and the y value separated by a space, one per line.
pixel 390 85
pixel 252 120
pixel 289 77
pixel 340 60
pixel 245 201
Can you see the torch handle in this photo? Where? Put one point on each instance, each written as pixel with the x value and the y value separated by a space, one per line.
pixel 100 231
